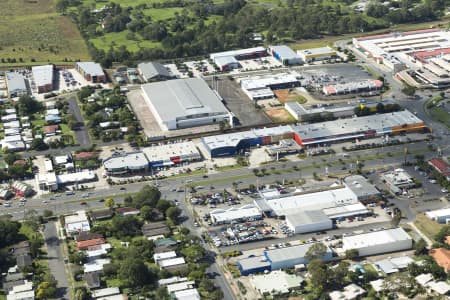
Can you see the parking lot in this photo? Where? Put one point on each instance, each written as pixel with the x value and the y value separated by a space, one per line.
pixel 239 104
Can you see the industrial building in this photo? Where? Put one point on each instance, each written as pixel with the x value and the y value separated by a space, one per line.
pixel 134 162
pixel 308 221
pixel 43 78
pixel 184 103
pixel 245 213
pixel 276 283
pixel 358 128
pixel 153 71
pixel 306 114
pixel 91 71
pixel 258 88
pixel 393 49
pixel 253 265
pixel 229 60
pixel 15 82
pixel 285 55
pixel 440 215
pixel 337 202
pixel 171 154
pixel 288 257
pixel 378 242
pixel 366 86
pixel 317 54
pixel 239 142
pixel 398 180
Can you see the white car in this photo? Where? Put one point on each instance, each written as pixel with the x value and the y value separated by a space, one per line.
pixel 45 201
pixel 444 191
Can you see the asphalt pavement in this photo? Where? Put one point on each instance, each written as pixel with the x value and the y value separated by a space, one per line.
pixel 82 131
pixel 55 260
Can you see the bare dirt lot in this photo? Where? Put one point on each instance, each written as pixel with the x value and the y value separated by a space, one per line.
pixel 279 115
pixel 287 95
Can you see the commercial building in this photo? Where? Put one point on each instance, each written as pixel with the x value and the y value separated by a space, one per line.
pixel 358 128
pixel 77 223
pixel 317 54
pixel 288 257
pixel 239 142
pixel 440 215
pixel 184 103
pixel 15 82
pixel 133 162
pixel 285 55
pixel 366 86
pixel 285 146
pixel 308 221
pixel 393 49
pixel 171 154
pixel 362 188
pixel 258 88
pixel 253 265
pixel 276 283
pixel 91 71
pixel 242 214
pixel 153 71
pixel 398 180
pixel 229 60
pixel 378 242
pixel 43 78
pixel 441 167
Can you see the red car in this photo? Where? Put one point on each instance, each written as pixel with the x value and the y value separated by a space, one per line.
pixel 83 203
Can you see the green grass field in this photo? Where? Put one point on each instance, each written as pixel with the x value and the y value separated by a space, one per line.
pixel 440 115
pixel 159 14
pixel 34 30
pixel 117 39
pixel 428 227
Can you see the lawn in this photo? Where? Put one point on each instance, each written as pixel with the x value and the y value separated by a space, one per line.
pixel 67 131
pixel 428 227
pixel 123 3
pixel 33 30
pixel 158 14
pixel 440 115
pixel 117 39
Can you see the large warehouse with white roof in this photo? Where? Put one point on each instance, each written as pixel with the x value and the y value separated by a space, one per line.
pixel 378 242
pixel 43 78
pixel 184 103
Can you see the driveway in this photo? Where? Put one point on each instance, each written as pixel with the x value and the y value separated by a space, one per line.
pixel 82 131
pixel 55 260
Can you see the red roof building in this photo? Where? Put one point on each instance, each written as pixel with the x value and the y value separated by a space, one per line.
pixel 440 166
pixel 127 211
pixel 84 155
pixel 50 129
pixel 84 245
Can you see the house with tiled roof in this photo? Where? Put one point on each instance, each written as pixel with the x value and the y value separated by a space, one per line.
pixel 84 245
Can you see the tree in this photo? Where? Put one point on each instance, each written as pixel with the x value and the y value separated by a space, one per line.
pixel 28 106
pixel 109 202
pixel 148 195
pixel 127 226
pixel 134 273
pixel 35 245
pixel 38 144
pixel 47 213
pixel 442 234
pixel 319 272
pixel 396 220
pixel 46 290
pixel 32 219
pixel 146 213
pixel 77 258
pixel 173 213
pixel 351 254
pixel 409 90
pixel 317 250
pixel 163 205
pixel 420 247
pixel 193 252
pixel 341 272
pixel 81 293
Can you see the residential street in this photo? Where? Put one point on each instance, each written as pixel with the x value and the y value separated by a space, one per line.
pixel 55 259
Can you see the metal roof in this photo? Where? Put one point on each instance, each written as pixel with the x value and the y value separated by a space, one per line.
pixel 152 69
pixel 307 217
pixel 225 60
pixel 289 253
pixel 361 186
pixel 91 68
pixel 285 52
pixel 15 82
pixel 374 238
pixel 254 262
pixel 134 160
pixel 234 53
pixel 183 98
pixel 43 75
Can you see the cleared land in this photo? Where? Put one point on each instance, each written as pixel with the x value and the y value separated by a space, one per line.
pixel 427 226
pixel 279 115
pixel 32 32
pixel 286 96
